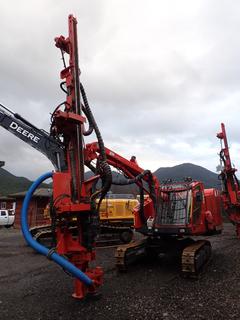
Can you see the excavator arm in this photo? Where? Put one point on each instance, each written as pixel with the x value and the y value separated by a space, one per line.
pixel 36 138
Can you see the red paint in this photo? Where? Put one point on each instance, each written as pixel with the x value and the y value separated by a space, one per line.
pixel 71 194
pixel 206 215
pixel 230 186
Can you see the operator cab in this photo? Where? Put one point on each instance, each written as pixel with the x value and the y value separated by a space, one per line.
pixel 180 208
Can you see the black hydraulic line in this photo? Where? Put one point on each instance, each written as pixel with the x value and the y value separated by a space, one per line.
pixel 94 124
pixel 134 180
pixel 106 174
pixel 57 107
pixel 52 133
pixel 91 167
pixel 237 181
pixel 152 192
pixel 141 206
pixel 91 128
pixel 221 155
pixel 103 167
pixel 222 175
pixel 63 59
pixel 62 87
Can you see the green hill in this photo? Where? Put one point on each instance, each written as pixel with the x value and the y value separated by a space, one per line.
pixel 9 183
pixel 179 172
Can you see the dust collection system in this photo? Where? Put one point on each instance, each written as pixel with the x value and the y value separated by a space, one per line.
pixel 168 215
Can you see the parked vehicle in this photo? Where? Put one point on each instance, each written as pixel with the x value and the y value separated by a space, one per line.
pixel 7 218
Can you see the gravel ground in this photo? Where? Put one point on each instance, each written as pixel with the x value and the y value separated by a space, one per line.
pixel 31 287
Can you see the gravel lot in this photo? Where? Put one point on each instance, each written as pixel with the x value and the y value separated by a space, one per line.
pixel 31 287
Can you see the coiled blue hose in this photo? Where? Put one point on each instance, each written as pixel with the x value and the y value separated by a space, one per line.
pixel 40 248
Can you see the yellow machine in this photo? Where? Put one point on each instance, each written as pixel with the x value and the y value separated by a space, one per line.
pixel 118 209
pixel 115 208
pixel 116 219
pixel 116 215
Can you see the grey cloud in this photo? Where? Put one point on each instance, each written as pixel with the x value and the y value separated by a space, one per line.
pixel 160 78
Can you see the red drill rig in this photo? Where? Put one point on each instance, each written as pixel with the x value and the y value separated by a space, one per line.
pixel 230 184
pixel 168 215
pixel 73 197
pixel 74 212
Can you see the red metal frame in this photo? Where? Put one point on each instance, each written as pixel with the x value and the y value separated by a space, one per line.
pixel 128 167
pixel 71 194
pixel 231 189
pixel 208 219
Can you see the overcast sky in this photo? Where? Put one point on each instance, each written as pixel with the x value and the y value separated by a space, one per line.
pixel 160 76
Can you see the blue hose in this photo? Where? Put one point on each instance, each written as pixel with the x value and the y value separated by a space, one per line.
pixel 40 248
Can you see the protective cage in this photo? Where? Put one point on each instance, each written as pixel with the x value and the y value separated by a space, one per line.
pixel 175 207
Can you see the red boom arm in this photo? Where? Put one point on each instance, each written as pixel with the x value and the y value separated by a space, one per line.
pixel 135 174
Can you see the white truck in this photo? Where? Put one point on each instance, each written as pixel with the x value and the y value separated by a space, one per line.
pixel 7 218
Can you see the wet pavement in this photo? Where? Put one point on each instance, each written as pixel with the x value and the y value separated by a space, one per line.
pixel 32 287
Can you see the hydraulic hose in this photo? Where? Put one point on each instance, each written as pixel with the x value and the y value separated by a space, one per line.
pixel 104 168
pixel 65 264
